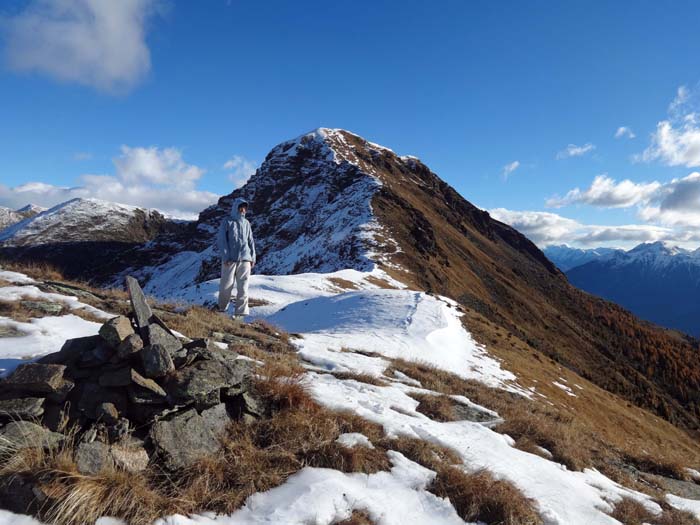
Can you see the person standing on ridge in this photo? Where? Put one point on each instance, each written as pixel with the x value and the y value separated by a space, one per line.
pixel 237 251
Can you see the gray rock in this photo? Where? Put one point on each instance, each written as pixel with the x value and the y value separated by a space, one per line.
pixel 130 455
pixel 61 393
pixel 24 434
pixel 147 384
pixel 254 404
pixel 116 330
pixel 197 382
pixel 118 377
pixel 36 378
pixel 44 307
pixel 71 350
pixel 216 419
pixel 17 495
pixel 156 361
pixel 129 346
pixel 142 312
pixel 98 356
pixel 26 408
pixel 93 395
pixel 119 429
pixel 183 439
pixel 107 412
pixel 92 458
pixel 157 335
pixel 142 396
pixel 55 417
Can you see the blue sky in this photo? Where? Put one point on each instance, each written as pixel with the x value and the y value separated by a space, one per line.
pixel 147 101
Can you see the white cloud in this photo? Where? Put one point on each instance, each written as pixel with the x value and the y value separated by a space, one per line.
pixel 545 228
pixel 624 131
pixel 240 169
pixel 605 192
pixel 98 43
pixel 677 204
pixel 82 155
pixel 676 141
pixel 146 177
pixel 572 150
pixel 510 168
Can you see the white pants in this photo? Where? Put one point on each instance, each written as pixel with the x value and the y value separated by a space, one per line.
pixel 240 271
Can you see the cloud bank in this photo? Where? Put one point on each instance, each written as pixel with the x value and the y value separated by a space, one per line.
pixel 147 177
pixel 97 43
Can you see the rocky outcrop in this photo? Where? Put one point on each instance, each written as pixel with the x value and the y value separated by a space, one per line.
pixel 136 393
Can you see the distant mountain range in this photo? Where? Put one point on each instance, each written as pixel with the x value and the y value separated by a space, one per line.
pixel 657 281
pixel 8 216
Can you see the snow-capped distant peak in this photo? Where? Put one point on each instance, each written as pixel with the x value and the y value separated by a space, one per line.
pixel 81 219
pixel 32 209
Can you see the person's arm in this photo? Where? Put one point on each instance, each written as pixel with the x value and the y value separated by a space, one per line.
pixel 251 243
pixel 221 243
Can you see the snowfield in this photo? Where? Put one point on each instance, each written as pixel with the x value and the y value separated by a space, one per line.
pixel 333 315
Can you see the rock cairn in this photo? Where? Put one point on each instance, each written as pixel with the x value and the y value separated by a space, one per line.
pixel 136 393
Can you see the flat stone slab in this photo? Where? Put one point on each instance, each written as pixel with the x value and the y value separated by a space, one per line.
pixel 25 408
pixel 196 382
pixel 139 305
pixel 36 378
pixel 45 307
pixel 183 439
pixel 71 350
pixel 92 458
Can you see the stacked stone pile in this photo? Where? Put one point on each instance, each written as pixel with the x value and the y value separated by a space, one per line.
pixel 135 393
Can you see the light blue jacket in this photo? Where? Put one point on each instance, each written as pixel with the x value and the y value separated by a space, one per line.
pixel 235 237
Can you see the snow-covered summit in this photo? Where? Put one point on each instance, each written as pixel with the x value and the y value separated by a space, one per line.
pixel 658 255
pixel 80 220
pixel 8 216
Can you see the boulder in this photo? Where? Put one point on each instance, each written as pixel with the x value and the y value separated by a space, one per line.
pixel 142 312
pixel 26 408
pixel 36 378
pixel 157 335
pixel 61 393
pixel 183 439
pixel 156 361
pixel 92 458
pixel 216 418
pixel 116 330
pixel 117 377
pixel 131 345
pixel 24 434
pixel 93 395
pixel 98 356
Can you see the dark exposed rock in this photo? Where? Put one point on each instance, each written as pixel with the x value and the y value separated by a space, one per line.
pixel 107 412
pixel 36 378
pixel 116 330
pixel 26 408
pixel 157 335
pixel 98 356
pixel 216 418
pixel 93 395
pixel 25 434
pixel 132 344
pixel 17 494
pixel 183 439
pixel 92 458
pixel 142 312
pixel 118 377
pixel 61 393
pixel 156 361
pixel 71 350
pixel 55 417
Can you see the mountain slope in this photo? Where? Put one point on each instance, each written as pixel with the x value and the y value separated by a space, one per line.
pixel 8 217
pixel 330 200
pixel 656 281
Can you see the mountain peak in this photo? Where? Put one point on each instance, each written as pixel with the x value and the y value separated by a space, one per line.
pixel 658 248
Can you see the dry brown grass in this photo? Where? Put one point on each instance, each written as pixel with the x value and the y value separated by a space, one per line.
pixel 35 270
pixel 437 407
pixel 480 497
pixel 630 512
pixel 360 378
pixel 21 313
pixel 4 283
pixel 343 284
pixel 528 422
pixel 356 518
